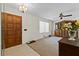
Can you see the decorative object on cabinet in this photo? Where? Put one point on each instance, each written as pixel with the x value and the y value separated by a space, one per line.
pixel 60 30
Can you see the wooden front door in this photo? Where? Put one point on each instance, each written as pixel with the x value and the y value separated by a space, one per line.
pixel 11 30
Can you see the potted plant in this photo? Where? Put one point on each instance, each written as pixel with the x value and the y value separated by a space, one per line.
pixel 72 28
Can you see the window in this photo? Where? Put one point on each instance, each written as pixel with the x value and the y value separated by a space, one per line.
pixel 44 27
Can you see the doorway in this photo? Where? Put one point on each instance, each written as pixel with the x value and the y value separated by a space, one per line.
pixel 11 26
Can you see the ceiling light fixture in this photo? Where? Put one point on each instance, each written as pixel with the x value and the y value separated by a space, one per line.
pixel 23 8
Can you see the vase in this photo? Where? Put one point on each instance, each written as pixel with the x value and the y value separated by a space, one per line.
pixel 72 34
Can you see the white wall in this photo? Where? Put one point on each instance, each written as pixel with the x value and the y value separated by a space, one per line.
pixel 29 22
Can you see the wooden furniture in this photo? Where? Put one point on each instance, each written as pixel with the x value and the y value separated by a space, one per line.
pixel 59 30
pixel 11 26
pixel 68 48
pixel 61 33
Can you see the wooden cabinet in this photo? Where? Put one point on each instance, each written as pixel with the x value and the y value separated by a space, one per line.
pixel 11 30
pixel 68 48
pixel 59 30
pixel 61 33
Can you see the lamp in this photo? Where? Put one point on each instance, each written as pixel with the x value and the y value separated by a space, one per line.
pixel 23 8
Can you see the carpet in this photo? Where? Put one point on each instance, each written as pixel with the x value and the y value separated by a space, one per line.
pixel 47 46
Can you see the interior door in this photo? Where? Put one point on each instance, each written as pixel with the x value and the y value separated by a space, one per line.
pixel 11 30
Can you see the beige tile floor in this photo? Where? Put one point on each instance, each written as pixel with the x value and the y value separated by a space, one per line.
pixel 44 47
pixel 20 50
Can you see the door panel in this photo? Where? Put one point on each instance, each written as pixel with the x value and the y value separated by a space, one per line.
pixel 12 30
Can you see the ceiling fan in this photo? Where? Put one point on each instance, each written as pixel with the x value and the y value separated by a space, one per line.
pixel 61 15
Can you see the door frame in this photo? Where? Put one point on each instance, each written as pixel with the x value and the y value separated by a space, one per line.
pixel 2 38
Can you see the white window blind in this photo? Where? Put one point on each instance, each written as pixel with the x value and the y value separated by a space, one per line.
pixel 44 27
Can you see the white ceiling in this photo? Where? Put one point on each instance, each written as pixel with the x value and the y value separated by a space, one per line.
pixel 52 10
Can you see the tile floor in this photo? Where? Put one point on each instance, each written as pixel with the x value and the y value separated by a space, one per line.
pixel 42 47
pixel 20 50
